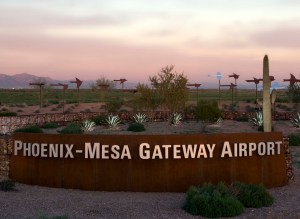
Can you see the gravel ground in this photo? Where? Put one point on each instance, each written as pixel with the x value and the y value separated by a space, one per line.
pixel 40 202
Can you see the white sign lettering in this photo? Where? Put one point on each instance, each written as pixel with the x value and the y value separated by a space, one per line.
pixel 146 151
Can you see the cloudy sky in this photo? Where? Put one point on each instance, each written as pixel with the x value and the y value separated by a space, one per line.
pixel 135 38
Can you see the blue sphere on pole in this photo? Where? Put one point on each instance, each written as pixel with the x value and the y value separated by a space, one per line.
pixel 219 75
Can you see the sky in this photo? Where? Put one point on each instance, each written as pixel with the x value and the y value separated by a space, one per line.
pixel 134 39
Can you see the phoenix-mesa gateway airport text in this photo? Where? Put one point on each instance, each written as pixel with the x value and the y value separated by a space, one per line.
pixel 146 151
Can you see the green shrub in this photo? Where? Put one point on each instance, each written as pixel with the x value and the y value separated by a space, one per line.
pixel 207 111
pixel 7 185
pixel 50 125
pixel 72 128
pixel 53 101
pixel 242 118
pixel 30 129
pixel 136 127
pixel 294 139
pixel 261 128
pixel 252 196
pixel 249 109
pixel 7 114
pixel 71 101
pixel 114 105
pixel 293 93
pixel 281 100
pixel 99 120
pixel 212 201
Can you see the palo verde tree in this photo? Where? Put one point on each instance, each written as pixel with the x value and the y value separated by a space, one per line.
pixel 145 98
pixel 170 87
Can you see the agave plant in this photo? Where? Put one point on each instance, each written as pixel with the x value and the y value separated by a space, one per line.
pixel 176 119
pixel 88 126
pixel 296 121
pixel 113 121
pixel 140 118
pixel 219 121
pixel 258 119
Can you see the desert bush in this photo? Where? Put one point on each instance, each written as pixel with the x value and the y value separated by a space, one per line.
pixel 294 139
pixel 7 185
pixel 30 129
pixel 251 196
pixel 7 114
pixel 249 108
pixel 136 127
pixel 72 128
pixel 53 101
pixel 99 120
pixel 212 201
pixel 114 105
pixel 261 128
pixel 50 125
pixel 242 118
pixel 207 111
pixel 294 93
pixel 190 110
pixel 71 101
pixel 19 110
pixel 37 111
pixel 282 100
pixel 233 107
pixel 224 106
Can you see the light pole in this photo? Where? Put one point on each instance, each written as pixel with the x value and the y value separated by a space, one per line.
pixel 196 86
pixel 40 86
pixel 219 77
pixel 235 76
pixel 65 87
pixel 256 81
pixel 231 87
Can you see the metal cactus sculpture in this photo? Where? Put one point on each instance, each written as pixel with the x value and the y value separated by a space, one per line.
pixel 267 116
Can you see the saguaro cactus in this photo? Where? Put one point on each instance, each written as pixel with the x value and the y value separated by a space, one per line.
pixel 267 116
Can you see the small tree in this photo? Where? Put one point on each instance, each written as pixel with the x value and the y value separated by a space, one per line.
pixel 103 80
pixel 171 89
pixel 145 99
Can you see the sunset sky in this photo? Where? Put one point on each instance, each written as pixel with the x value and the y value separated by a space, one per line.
pixel 133 39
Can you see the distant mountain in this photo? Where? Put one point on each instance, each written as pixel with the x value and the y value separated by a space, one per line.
pixel 22 80
pixel 19 81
